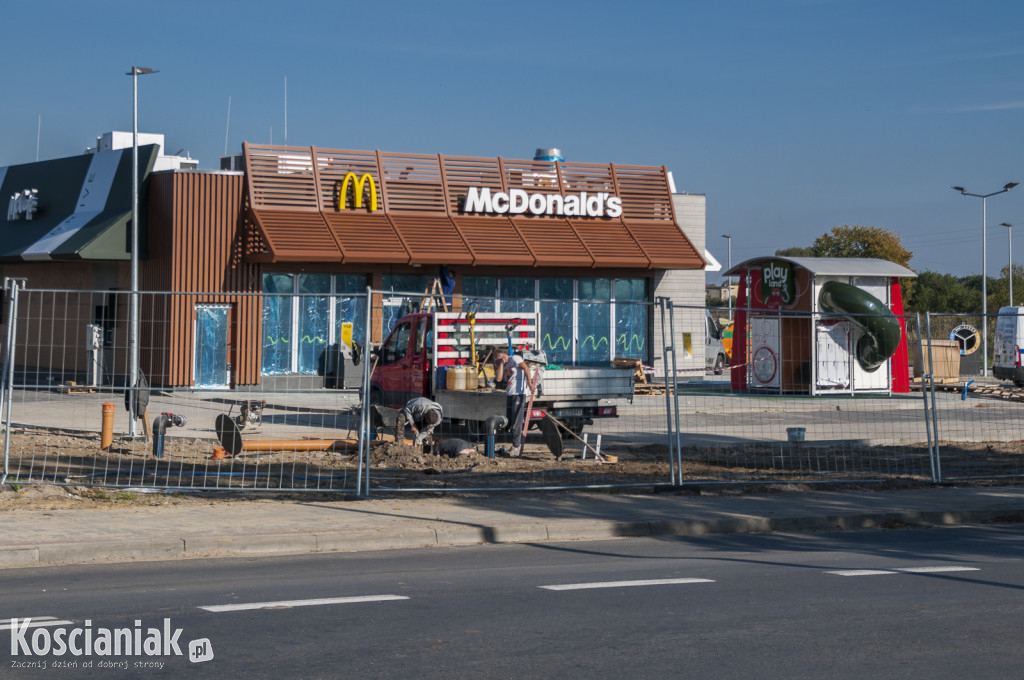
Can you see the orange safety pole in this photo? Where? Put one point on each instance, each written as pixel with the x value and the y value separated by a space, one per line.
pixel 107 433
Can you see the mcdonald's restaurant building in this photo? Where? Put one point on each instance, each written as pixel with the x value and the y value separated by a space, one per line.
pixel 269 261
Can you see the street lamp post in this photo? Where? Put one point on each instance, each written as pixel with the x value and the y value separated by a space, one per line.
pixel 728 238
pixel 984 271
pixel 133 312
pixel 1009 250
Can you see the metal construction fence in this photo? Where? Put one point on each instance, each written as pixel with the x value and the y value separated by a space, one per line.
pixel 300 392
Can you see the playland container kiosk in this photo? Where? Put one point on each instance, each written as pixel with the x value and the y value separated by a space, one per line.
pixel 820 325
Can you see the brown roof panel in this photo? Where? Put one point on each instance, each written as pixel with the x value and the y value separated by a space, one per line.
pixel 431 239
pixel 494 241
pixel 610 243
pixel 644 192
pixel 367 237
pixel 665 244
pixel 280 178
pixel 412 183
pixel 554 243
pixel 462 173
pixel 293 235
pixel 410 211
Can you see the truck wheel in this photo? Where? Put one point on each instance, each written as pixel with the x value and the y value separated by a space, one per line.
pixel 719 364
pixel 377 397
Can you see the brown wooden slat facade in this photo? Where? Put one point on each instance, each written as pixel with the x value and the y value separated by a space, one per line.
pixel 419 219
pixel 197 243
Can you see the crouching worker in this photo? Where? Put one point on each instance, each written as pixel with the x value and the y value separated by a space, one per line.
pixel 420 414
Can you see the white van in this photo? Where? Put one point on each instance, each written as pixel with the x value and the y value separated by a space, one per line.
pixel 1006 363
pixel 715 357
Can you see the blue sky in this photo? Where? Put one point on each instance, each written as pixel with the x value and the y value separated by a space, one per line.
pixel 792 116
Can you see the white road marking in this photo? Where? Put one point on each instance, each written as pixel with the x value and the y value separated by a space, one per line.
pixel 907 570
pixel 626 584
pixel 36 622
pixel 300 603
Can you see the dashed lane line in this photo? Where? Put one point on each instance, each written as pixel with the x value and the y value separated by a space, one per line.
pixel 33 622
pixel 287 604
pixel 626 584
pixel 906 570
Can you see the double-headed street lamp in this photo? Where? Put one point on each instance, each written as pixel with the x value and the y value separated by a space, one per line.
pixel 1009 250
pixel 728 238
pixel 133 312
pixel 984 271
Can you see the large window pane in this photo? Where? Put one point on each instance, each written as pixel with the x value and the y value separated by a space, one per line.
pixel 517 294
pixel 481 291
pixel 396 306
pixel 314 321
pixel 594 322
pixel 349 309
pixel 277 323
pixel 556 319
pixel 631 319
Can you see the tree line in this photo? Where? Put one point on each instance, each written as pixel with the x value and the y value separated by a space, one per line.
pixel 930 291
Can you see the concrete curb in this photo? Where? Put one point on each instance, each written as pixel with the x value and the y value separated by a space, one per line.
pixel 448 535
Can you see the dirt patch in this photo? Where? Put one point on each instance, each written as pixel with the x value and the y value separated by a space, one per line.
pixel 68 459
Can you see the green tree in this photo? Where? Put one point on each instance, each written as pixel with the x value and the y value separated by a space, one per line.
pixel 858 241
pixel 998 290
pixel 795 251
pixel 945 293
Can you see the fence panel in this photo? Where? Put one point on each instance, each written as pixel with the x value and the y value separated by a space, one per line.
pixel 980 418
pixel 589 426
pixel 809 413
pixel 203 389
pixel 265 391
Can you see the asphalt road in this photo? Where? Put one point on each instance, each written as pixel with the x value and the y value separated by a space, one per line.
pixel 938 603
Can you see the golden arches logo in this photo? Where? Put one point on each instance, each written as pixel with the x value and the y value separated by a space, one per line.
pixel 359 184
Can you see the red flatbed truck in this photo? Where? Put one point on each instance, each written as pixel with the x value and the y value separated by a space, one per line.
pixel 413 361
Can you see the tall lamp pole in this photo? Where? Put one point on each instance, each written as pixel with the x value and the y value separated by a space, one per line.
pixel 728 238
pixel 1009 249
pixel 133 312
pixel 984 271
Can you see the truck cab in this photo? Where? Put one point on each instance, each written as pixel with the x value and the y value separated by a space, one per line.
pixel 417 356
pixel 402 364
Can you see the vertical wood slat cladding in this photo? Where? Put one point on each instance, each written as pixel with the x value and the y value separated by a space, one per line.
pixel 197 244
pixel 420 220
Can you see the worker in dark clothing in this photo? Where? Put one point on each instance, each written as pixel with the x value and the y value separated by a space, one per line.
pixel 420 414
pixel 447 279
pixel 454 447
